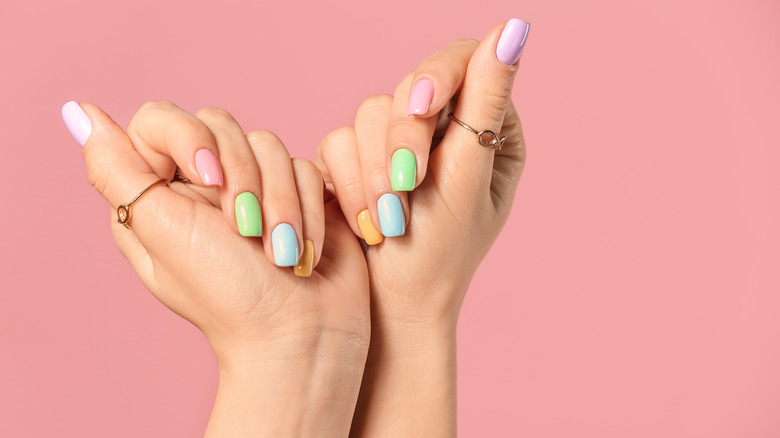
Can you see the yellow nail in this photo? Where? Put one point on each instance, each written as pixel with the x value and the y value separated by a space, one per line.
pixel 371 235
pixel 303 268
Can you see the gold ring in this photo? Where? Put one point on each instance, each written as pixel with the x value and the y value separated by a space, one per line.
pixel 124 213
pixel 486 138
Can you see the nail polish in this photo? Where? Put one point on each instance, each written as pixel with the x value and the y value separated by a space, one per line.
pixel 421 97
pixel 248 217
pixel 208 168
pixel 285 245
pixel 77 122
pixel 371 235
pixel 403 170
pixel 391 215
pixel 512 40
pixel 304 266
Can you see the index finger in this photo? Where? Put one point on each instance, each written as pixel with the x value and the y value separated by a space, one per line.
pixel 419 96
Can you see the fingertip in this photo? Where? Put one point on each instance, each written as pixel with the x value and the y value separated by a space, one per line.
pixel 512 41
pixel 77 121
pixel 420 97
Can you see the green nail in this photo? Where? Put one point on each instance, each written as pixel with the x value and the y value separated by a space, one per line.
pixel 248 217
pixel 403 171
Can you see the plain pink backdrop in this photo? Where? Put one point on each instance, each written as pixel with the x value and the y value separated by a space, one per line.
pixel 635 291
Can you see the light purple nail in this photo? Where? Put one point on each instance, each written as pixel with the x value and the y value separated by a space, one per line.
pixel 510 44
pixel 77 121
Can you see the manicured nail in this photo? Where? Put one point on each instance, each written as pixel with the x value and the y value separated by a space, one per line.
pixel 371 235
pixel 208 167
pixel 248 217
pixel 285 245
pixel 403 170
pixel 303 268
pixel 391 215
pixel 510 44
pixel 421 97
pixel 77 121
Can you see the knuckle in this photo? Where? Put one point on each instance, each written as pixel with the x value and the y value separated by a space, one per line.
pixel 153 106
pixel 464 42
pixel 380 102
pixel 214 114
pixel 306 169
pixel 495 100
pixel 343 135
pixel 263 137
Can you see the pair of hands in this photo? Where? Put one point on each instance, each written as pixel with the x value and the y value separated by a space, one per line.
pixel 294 352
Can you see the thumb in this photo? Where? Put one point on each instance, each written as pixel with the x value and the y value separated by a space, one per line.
pixel 119 174
pixel 483 105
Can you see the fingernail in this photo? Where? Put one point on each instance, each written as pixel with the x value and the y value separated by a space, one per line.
pixel 77 121
pixel 208 168
pixel 510 44
pixel 303 268
pixel 391 215
pixel 371 235
pixel 285 245
pixel 403 170
pixel 248 217
pixel 421 97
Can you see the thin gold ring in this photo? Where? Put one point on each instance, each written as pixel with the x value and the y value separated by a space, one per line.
pixel 124 213
pixel 486 138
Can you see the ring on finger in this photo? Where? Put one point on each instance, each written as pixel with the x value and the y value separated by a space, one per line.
pixel 124 212
pixel 486 138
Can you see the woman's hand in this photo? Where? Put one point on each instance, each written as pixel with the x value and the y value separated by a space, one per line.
pixel 435 236
pixel 291 350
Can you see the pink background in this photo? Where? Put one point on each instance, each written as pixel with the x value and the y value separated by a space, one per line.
pixel 635 291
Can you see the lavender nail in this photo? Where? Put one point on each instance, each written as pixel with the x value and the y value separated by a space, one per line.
pixel 77 121
pixel 510 44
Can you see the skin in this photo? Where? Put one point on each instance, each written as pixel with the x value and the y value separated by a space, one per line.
pixel 291 350
pixel 419 280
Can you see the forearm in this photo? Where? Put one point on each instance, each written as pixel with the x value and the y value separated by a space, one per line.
pixel 409 385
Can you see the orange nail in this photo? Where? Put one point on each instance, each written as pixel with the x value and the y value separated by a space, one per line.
pixel 303 268
pixel 371 235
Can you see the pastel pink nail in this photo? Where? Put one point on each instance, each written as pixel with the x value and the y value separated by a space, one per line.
pixel 77 121
pixel 512 40
pixel 208 168
pixel 421 97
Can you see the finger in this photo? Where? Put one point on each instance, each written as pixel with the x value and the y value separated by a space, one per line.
pixel 338 159
pixel 386 208
pixel 308 184
pixel 482 105
pixel 118 173
pixel 166 136
pixel 423 94
pixel 439 77
pixel 279 201
pixel 240 190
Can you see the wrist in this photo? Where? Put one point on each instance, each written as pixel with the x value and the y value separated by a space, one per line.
pixel 279 391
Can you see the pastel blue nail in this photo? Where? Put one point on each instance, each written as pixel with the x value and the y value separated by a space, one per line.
pixel 285 245
pixel 391 215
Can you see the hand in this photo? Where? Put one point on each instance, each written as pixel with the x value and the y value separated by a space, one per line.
pixel 291 350
pixel 436 236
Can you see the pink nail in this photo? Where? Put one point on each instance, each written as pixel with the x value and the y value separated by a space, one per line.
pixel 208 167
pixel 421 97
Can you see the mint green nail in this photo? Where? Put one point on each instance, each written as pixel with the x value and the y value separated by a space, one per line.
pixel 403 171
pixel 248 217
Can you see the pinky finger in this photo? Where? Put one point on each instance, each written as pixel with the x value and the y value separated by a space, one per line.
pixel 308 182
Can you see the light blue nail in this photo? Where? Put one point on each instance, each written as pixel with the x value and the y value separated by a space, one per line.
pixel 391 215
pixel 285 245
